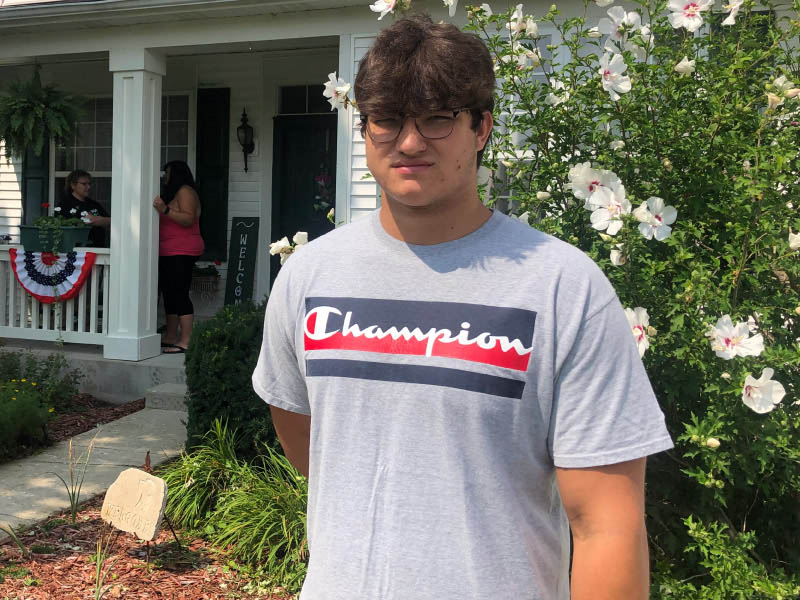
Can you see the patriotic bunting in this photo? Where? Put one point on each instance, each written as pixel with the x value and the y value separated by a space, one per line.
pixel 50 277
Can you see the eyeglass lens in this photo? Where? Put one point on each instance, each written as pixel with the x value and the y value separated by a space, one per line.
pixel 432 127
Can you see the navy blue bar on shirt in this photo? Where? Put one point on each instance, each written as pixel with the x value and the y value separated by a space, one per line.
pixel 442 376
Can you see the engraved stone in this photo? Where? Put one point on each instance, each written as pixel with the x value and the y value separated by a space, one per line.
pixel 135 503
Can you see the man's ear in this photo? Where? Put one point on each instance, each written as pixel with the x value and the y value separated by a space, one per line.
pixel 484 129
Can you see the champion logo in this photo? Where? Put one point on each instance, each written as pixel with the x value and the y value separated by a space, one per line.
pixel 490 335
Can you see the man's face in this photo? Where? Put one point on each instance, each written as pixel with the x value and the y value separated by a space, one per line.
pixel 418 172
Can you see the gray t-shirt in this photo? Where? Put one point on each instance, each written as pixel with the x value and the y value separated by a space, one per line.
pixel 445 383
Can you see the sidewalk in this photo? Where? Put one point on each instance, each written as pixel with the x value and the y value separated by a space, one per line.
pixel 29 492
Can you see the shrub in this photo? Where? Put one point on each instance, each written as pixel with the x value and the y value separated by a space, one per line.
pixel 23 416
pixel 56 383
pixel 196 479
pixel 256 510
pixel 708 121
pixel 219 366
pixel 262 519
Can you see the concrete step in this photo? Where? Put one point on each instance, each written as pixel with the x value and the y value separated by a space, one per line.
pixel 166 396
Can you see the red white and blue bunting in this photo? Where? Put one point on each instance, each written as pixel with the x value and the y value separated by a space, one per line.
pixel 51 277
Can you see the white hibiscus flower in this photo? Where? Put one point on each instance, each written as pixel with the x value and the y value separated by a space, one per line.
pixel 729 340
pixel 336 90
pixel 618 26
pixel 685 67
pixel 584 181
pixel 688 13
pixel 611 205
pixel 558 95
pixel 639 321
pixel 655 218
pixel 452 5
pixel 733 10
pixel 615 82
pixel 280 246
pixel 763 394
pixel 616 256
pixel 794 241
pixel 384 7
pixel 517 23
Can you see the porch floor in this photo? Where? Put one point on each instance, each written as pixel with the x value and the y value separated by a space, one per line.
pixel 110 380
pixel 30 491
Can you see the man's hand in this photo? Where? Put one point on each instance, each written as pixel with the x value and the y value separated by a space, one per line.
pixel 294 434
pixel 605 507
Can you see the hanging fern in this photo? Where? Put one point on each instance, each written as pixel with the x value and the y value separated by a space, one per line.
pixel 31 114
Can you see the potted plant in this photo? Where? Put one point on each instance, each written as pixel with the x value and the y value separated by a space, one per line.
pixel 56 233
pixel 205 280
pixel 32 113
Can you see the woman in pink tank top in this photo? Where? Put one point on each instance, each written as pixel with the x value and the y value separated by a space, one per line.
pixel 179 246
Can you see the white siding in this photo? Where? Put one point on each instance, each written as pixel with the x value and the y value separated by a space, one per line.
pixel 10 196
pixel 363 191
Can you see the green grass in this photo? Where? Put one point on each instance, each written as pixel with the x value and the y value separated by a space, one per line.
pixel 13 572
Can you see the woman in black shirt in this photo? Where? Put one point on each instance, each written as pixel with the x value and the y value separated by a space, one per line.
pixel 76 201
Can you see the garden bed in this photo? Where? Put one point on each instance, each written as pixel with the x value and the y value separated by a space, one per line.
pixel 62 565
pixel 85 412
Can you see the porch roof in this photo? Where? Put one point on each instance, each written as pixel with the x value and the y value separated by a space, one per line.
pixel 32 16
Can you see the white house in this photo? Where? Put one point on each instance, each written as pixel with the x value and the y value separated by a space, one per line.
pixel 170 79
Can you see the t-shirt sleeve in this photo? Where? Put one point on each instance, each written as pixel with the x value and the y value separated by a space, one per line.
pixel 604 409
pixel 277 378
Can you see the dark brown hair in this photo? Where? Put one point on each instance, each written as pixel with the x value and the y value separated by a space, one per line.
pixel 417 66
pixel 72 178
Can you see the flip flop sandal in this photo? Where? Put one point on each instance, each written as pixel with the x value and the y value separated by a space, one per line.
pixel 174 349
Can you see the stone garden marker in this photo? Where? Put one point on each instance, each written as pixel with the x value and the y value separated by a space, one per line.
pixel 135 503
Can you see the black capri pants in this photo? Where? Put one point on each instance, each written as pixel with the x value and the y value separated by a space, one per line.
pixel 174 281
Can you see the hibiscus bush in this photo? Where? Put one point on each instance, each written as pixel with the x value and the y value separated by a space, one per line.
pixel 662 139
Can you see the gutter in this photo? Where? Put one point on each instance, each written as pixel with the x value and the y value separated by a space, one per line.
pixel 26 12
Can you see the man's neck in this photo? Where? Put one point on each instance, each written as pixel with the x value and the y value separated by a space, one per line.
pixel 426 226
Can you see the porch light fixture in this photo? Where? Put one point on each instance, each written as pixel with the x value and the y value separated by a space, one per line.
pixel 245 134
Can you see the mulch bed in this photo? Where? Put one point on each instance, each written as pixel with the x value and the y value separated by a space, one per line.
pixel 87 412
pixel 63 569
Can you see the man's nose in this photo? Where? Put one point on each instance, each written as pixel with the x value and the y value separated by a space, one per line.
pixel 410 140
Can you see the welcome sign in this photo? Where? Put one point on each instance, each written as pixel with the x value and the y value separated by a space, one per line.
pixel 242 260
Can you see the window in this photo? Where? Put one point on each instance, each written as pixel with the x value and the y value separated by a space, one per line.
pixel 89 150
pixel 90 147
pixel 174 128
pixel 302 100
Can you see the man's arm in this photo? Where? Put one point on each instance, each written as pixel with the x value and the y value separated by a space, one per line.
pixel 605 507
pixel 294 434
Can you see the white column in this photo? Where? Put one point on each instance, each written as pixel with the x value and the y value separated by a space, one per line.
pixel 134 228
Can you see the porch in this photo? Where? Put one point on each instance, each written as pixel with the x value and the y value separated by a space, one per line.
pixel 172 83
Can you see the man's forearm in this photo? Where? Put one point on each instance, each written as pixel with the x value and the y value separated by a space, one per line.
pixel 294 434
pixel 611 566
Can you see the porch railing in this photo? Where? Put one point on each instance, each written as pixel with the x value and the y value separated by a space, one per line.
pixel 81 319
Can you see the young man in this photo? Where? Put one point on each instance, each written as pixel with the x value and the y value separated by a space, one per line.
pixel 459 388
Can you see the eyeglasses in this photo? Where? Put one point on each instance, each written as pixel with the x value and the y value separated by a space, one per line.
pixel 434 126
pixel 86 183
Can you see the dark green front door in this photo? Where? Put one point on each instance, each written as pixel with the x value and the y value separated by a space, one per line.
pixel 303 176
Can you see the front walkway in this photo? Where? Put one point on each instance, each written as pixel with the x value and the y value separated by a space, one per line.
pixel 31 492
